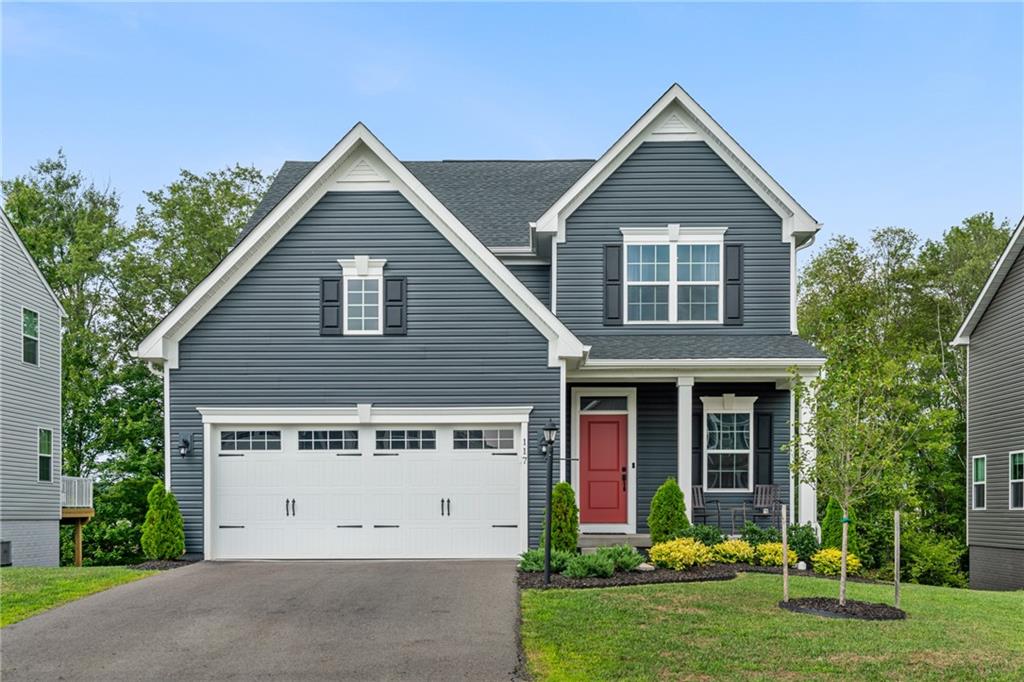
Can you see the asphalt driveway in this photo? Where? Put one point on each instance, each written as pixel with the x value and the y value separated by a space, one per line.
pixel 358 620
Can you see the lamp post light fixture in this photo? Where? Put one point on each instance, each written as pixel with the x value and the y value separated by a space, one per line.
pixel 184 447
pixel 547 448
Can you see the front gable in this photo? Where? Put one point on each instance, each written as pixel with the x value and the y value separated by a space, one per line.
pixel 358 163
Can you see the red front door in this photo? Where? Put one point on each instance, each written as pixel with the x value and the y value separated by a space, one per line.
pixel 603 468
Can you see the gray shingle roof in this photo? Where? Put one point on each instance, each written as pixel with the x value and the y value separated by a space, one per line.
pixel 698 346
pixel 494 199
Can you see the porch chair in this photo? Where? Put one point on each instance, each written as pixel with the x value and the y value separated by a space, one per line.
pixel 766 504
pixel 700 506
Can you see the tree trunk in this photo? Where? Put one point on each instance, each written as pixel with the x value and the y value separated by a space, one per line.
pixel 842 563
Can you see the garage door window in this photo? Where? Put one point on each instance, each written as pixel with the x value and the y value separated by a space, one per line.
pixel 328 440
pixel 234 441
pixel 401 439
pixel 484 439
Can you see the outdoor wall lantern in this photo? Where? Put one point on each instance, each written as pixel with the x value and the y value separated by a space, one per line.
pixel 184 447
pixel 547 448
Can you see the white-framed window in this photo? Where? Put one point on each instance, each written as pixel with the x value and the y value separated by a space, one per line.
pixel 728 444
pixel 673 275
pixel 329 439
pixel 406 439
pixel 483 439
pixel 1017 480
pixel 362 288
pixel 30 337
pixel 978 473
pixel 44 448
pixel 249 441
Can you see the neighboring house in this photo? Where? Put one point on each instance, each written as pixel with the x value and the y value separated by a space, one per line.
pixel 367 372
pixel 30 411
pixel 994 335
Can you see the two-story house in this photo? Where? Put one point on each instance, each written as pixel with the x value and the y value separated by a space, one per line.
pixel 994 336
pixel 367 372
pixel 30 410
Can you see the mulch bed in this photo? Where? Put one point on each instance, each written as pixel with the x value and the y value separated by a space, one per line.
pixel 777 570
pixel 620 579
pixel 830 608
pixel 164 565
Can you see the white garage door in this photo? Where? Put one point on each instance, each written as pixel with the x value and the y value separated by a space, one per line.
pixel 311 491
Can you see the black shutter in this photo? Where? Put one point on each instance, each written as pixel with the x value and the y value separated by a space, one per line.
pixel 733 284
pixel 613 284
pixel 763 449
pixel 330 306
pixel 394 306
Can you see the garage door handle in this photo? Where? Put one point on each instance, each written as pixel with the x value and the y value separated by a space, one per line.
pixel 293 506
pixel 449 506
pixel 286 507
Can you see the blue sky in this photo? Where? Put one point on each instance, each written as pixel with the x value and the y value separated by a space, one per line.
pixel 870 115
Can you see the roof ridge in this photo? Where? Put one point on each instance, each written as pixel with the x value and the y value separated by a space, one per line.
pixel 496 160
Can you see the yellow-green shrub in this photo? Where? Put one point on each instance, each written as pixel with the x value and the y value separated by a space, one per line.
pixel 733 551
pixel 827 561
pixel 770 554
pixel 680 554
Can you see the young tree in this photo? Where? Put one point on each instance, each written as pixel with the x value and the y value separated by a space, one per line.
pixel 163 532
pixel 861 426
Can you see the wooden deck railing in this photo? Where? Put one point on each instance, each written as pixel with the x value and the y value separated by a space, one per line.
pixel 76 492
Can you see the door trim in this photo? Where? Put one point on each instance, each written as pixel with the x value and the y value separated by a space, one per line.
pixel 629 393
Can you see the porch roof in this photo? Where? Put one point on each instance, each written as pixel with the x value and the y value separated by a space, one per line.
pixel 700 346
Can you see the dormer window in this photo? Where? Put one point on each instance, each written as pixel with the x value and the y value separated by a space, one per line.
pixel 673 275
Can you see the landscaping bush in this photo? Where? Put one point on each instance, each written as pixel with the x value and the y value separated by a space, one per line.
pixel 803 542
pixel 709 535
pixel 770 554
pixel 827 562
pixel 931 560
pixel 532 561
pixel 624 557
pixel 590 566
pixel 733 551
pixel 680 554
pixel 667 519
pixel 832 528
pixel 163 531
pixel 565 519
pixel 755 534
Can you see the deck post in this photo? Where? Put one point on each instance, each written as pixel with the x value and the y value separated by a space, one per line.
pixel 685 441
pixel 78 542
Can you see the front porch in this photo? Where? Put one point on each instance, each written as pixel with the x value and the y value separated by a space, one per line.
pixel 625 438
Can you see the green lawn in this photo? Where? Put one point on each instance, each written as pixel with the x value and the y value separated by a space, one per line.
pixel 734 630
pixel 25 592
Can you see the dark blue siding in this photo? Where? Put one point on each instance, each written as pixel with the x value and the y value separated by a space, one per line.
pixel 537 279
pixel 674 182
pixel 466 344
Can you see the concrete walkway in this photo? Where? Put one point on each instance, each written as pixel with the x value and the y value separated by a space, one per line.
pixel 356 620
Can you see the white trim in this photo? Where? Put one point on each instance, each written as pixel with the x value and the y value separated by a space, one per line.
pixel 524 484
pixel 773 363
pixel 677 103
pixel 345 279
pixel 22 335
pixel 563 470
pixel 630 412
pixel 1010 480
pixel 362 266
pixel 366 414
pixel 32 262
pixel 684 444
pixel 167 427
pixel 207 490
pixel 161 343
pixel 975 483
pixel 995 279
pixel 672 238
pixel 728 403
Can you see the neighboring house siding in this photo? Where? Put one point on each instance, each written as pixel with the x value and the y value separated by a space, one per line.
pixel 674 182
pixel 537 279
pixel 995 427
pixel 657 446
pixel 996 568
pixel 29 401
pixel 466 344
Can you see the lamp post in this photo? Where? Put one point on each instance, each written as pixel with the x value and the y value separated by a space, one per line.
pixel 547 448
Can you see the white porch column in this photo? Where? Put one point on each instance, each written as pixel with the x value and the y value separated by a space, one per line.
pixel 808 499
pixel 684 447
